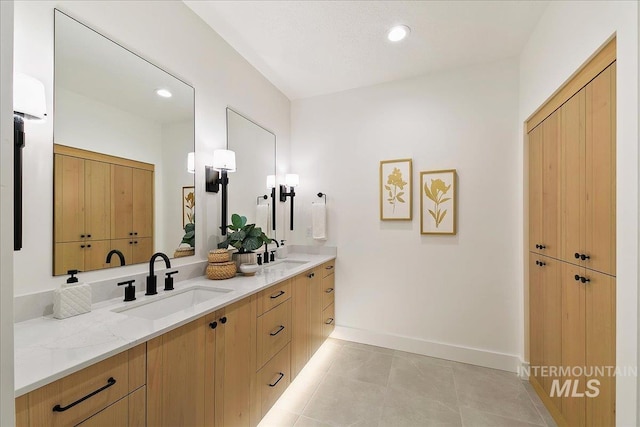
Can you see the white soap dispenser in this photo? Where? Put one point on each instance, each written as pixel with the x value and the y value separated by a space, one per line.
pixel 282 251
pixel 71 298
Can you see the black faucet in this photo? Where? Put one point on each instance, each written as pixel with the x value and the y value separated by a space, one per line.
pixel 266 253
pixel 151 278
pixel 276 242
pixel 117 252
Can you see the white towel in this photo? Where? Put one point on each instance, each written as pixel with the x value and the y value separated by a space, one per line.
pixel 262 217
pixel 319 220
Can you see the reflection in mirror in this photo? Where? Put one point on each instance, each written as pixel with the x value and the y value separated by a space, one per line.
pixel 255 149
pixel 123 131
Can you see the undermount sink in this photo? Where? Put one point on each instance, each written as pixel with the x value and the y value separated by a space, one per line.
pixel 283 265
pixel 180 300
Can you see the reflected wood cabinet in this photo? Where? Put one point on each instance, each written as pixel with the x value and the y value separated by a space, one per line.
pixel 572 255
pixel 101 203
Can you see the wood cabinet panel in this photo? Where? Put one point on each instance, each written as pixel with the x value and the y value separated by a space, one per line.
pixel 552 321
pixel 274 332
pixel 68 196
pixel 95 254
pixel 114 415
pixel 535 189
pixel 22 411
pixel 138 407
pixel 121 202
pixel 329 323
pixel 536 316
pixel 142 200
pixel 601 172
pixel 551 155
pixel 316 322
pixel 141 250
pixel 273 296
pixel 273 379
pixel 137 366
pixel 328 290
pixel 97 178
pixel 68 256
pixel 299 324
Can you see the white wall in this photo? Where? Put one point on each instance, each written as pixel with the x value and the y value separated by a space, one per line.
pixel 568 33
pixel 6 214
pixel 440 295
pixel 170 35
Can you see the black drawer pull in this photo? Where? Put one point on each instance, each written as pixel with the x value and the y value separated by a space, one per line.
pixel 329 267
pixel 223 320
pixel 274 296
pixel 281 376
pixel 111 381
pixel 584 280
pixel 329 321
pixel 329 290
pixel 280 329
pixel 213 324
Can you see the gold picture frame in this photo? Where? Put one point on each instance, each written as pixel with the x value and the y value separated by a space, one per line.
pixel 188 205
pixel 396 188
pixel 438 202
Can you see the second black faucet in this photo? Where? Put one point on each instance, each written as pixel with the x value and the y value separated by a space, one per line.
pixel 152 280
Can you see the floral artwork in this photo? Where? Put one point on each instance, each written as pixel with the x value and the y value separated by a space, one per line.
pixel 395 190
pixel 438 202
pixel 188 206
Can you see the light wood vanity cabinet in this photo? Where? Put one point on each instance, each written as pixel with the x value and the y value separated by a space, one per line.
pixel 108 390
pixel 572 227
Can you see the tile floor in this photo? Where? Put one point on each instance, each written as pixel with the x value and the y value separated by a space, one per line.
pixel 351 384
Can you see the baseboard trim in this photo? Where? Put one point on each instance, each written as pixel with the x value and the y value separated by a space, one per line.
pixel 473 356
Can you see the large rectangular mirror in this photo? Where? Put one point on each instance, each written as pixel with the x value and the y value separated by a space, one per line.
pixel 255 149
pixel 123 131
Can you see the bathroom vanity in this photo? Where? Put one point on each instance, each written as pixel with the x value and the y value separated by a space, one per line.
pixel 222 360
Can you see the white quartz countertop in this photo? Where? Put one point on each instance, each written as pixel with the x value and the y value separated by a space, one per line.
pixel 47 349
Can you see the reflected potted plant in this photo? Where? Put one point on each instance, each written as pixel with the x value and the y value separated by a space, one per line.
pixel 246 238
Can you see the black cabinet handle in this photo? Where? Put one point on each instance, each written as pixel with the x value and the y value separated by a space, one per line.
pixel 576 277
pixel 82 246
pixel 540 263
pixel 88 246
pixel 584 280
pixel 280 376
pixel 543 247
pixel 280 329
pixel 223 320
pixel 88 235
pixel 583 257
pixel 329 290
pixel 135 242
pixel 82 236
pixel 329 321
pixel 135 234
pixel 130 234
pixel 311 275
pixel 329 267
pixel 213 324
pixel 111 381
pixel 279 294
pixel 131 243
pixel 577 255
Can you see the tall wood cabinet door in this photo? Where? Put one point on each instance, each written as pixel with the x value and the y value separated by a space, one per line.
pixel 573 340
pixel 142 203
pixel 573 178
pixel 300 324
pixel 552 321
pixel 121 202
pixel 142 249
pixel 211 336
pixel 68 198
pixel 600 343
pixel 97 177
pixel 536 317
pixel 95 254
pixel 176 368
pixel 551 153
pixel 236 364
pixel 316 321
pixel 68 256
pixel 535 189
pixel 601 172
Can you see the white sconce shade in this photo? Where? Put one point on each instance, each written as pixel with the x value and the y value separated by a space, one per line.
pixel 292 179
pixel 271 182
pixel 28 97
pixel 191 162
pixel 224 160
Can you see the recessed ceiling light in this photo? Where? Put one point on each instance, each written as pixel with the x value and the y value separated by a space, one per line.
pixel 398 33
pixel 163 93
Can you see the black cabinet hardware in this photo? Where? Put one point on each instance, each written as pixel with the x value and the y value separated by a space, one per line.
pixel 280 376
pixel 111 381
pixel 279 294
pixel 329 290
pixel 584 280
pixel 311 275
pixel 277 331
pixel 223 320
pixel 213 324
pixel 583 257
pixel 329 321
pixel 329 267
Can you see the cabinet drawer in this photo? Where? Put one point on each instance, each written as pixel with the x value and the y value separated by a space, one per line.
pixel 80 395
pixel 273 296
pixel 328 319
pixel 328 268
pixel 328 291
pixel 273 380
pixel 274 332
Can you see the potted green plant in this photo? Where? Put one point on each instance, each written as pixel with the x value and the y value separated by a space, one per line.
pixel 246 238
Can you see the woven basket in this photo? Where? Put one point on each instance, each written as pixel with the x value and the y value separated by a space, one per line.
pixel 219 255
pixel 180 252
pixel 221 270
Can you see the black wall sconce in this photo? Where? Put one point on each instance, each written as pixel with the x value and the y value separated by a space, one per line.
pixel 224 161
pixel 292 180
pixel 28 104
pixel 271 185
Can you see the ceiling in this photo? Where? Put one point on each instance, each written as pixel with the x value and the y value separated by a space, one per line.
pixel 310 48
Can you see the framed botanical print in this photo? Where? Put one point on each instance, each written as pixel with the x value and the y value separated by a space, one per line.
pixel 438 202
pixel 188 205
pixel 396 185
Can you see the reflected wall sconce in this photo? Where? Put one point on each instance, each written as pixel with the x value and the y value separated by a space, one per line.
pixel 224 161
pixel 191 162
pixel 28 104
pixel 271 185
pixel 292 180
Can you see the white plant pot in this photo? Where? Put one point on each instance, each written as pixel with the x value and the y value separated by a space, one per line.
pixel 245 258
